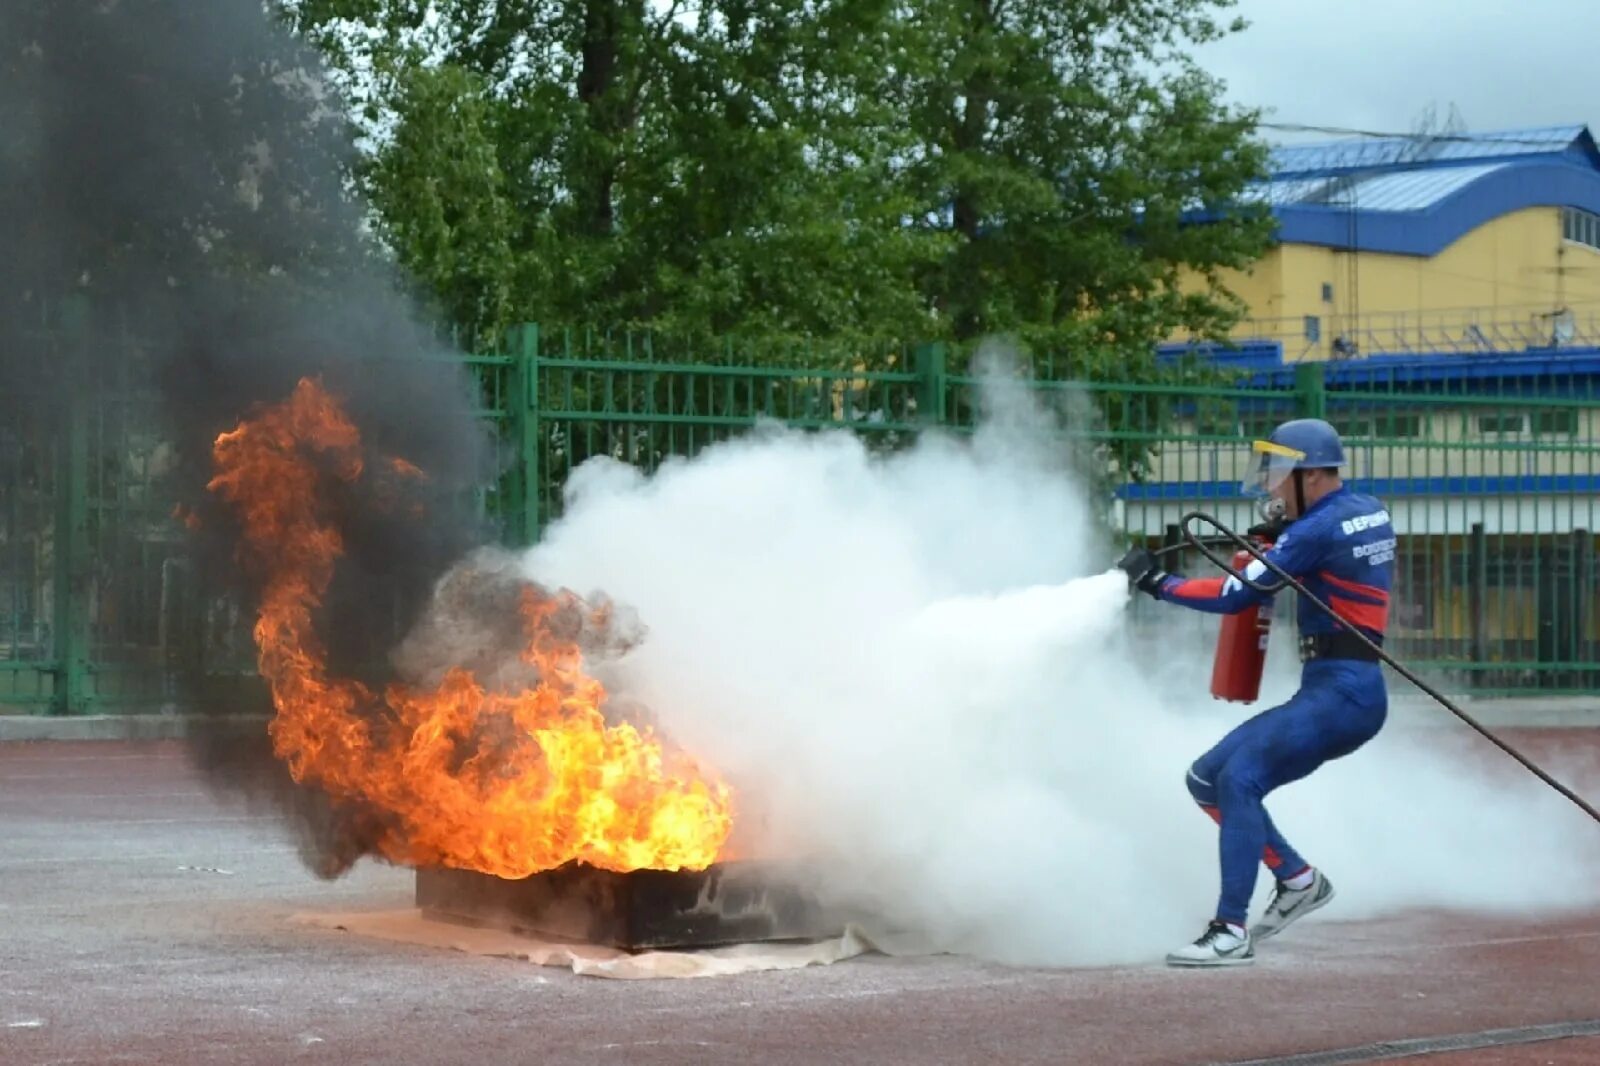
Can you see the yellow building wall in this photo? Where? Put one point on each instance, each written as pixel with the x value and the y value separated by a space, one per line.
pixel 1260 287
pixel 1509 274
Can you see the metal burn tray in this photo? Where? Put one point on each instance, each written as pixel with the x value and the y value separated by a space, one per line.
pixel 727 903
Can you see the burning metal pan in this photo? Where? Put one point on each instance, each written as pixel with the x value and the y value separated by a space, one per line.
pixel 727 903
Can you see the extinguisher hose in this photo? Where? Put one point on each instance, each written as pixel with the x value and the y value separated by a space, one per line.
pixel 1230 538
pixel 1213 542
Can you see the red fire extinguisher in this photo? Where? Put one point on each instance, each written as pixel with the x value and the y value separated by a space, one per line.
pixel 1242 647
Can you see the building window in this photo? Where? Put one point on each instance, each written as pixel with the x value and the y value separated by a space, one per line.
pixel 1501 424
pixel 1400 425
pixel 1561 422
pixel 1580 226
pixel 1327 293
pixel 1379 425
pixel 1353 428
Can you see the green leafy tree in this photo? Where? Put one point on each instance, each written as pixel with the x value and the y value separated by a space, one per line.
pixel 838 169
pixel 447 206
pixel 708 172
pixel 1063 147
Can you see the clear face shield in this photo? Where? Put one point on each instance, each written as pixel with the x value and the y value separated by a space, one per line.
pixel 1270 466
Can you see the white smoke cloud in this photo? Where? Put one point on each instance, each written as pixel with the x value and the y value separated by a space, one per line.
pixel 920 677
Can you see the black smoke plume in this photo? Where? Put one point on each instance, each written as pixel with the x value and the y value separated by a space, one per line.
pixel 175 221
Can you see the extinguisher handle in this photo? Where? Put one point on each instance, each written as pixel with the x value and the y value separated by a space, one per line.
pixel 1229 537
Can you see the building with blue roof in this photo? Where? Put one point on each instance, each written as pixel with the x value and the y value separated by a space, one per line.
pixel 1438 299
pixel 1418 196
pixel 1468 243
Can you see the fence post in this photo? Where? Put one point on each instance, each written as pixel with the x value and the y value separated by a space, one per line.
pixel 928 363
pixel 70 537
pixel 1583 577
pixel 527 478
pixel 1312 388
pixel 1171 537
pixel 1477 595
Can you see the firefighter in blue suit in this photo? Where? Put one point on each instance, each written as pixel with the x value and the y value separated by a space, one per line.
pixel 1340 545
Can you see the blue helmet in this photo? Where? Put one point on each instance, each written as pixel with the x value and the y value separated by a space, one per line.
pixel 1304 444
pixel 1316 441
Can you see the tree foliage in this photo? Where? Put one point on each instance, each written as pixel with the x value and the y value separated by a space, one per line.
pixel 842 169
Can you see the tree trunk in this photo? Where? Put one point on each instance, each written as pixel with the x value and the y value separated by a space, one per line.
pixel 970 137
pixel 603 48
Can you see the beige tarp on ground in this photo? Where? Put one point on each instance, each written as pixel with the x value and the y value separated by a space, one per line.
pixel 410 927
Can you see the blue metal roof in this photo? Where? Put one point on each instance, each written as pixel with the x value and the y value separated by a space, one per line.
pixel 1396 152
pixel 1410 190
pixel 1405 190
pixel 1416 196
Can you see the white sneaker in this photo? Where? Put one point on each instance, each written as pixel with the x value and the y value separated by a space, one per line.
pixel 1289 904
pixel 1217 946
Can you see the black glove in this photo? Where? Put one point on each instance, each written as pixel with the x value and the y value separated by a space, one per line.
pixel 1143 573
pixel 1269 531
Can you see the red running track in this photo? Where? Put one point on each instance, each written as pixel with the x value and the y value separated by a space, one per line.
pixel 144 921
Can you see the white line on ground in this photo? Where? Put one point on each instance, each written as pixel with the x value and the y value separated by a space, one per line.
pixel 183 821
pixel 31 752
pixel 164 856
pixel 57 797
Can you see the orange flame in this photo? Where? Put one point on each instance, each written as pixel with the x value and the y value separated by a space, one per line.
pixel 505 783
pixel 405 469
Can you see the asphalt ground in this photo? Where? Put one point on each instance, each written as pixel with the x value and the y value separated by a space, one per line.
pixel 142 920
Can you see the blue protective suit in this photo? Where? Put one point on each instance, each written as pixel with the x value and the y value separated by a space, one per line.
pixel 1342 549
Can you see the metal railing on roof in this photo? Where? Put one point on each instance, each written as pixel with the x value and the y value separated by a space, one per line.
pixel 1463 331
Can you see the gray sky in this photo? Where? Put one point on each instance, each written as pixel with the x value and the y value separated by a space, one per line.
pixel 1377 64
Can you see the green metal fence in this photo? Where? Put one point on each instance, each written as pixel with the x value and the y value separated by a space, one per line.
pixel 88 549
pixel 28 662
pixel 591 394
pixel 1491 472
pixel 1489 465
pixel 1491 469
